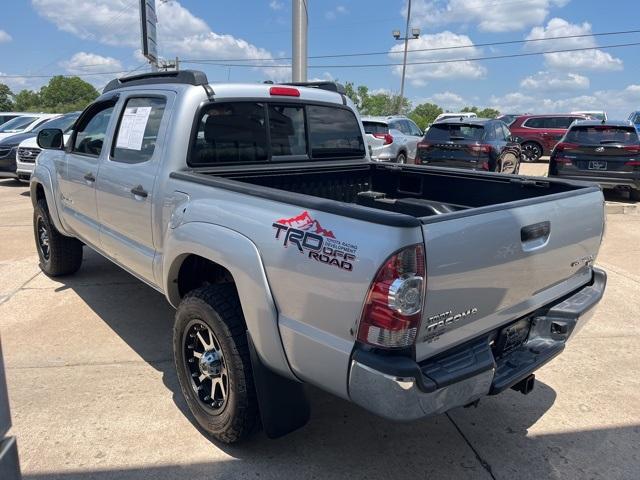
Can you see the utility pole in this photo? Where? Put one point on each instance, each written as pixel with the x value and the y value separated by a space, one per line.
pixel 299 40
pixel 415 34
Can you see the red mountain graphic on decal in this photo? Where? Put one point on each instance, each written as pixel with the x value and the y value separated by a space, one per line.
pixel 306 223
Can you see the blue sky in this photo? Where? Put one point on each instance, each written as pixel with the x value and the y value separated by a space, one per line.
pixel 98 37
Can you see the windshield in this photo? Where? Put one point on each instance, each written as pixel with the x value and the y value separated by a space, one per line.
pixel 444 132
pixel 17 124
pixel 64 123
pixel 602 134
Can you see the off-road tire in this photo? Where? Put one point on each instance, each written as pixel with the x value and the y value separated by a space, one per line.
pixel 64 253
pixel 218 306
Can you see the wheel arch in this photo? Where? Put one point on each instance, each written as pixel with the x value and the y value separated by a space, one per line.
pixel 197 253
pixel 41 187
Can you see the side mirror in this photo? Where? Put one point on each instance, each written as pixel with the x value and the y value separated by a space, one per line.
pixel 51 138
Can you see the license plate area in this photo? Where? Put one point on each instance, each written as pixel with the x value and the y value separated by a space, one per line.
pixel 597 165
pixel 511 337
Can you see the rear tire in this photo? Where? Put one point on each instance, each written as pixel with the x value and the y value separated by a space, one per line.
pixel 532 152
pixel 508 164
pixel 59 255
pixel 401 158
pixel 634 195
pixel 221 395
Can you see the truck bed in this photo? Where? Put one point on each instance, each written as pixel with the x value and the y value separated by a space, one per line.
pixel 421 193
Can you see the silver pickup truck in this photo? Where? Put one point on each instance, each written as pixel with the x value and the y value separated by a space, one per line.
pixel 293 259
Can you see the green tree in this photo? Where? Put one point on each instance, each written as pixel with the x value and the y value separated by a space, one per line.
pixel 65 94
pixel 378 103
pixel 27 101
pixel 6 103
pixel 484 113
pixel 425 114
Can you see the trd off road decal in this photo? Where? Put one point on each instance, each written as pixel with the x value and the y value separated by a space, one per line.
pixel 314 241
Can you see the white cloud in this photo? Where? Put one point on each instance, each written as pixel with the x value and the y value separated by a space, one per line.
pixel 20 83
pixel 116 22
pixel 336 12
pixel 580 60
pixel 447 100
pixel 617 103
pixel 418 75
pixel 276 5
pixel 83 62
pixel 487 15
pixel 555 82
pixel 5 37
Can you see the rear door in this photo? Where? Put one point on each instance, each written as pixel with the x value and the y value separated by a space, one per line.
pixel 375 133
pixel 600 151
pixel 125 187
pixel 488 269
pixel 454 145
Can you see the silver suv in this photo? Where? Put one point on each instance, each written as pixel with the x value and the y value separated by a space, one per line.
pixel 392 138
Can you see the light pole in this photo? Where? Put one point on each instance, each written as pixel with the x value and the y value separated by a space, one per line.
pixel 415 33
pixel 299 40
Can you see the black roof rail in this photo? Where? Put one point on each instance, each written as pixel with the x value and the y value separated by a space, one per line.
pixel 330 86
pixel 188 77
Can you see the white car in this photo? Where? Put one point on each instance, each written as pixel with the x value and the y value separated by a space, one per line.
pixel 392 138
pixel 25 123
pixel 597 114
pixel 445 116
pixel 28 150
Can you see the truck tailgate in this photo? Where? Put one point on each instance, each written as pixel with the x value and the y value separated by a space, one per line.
pixel 487 269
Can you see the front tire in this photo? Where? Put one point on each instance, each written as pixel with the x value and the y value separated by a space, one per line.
pixel 59 255
pixel 211 355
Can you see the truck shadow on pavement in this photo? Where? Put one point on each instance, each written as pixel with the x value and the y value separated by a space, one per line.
pixel 344 441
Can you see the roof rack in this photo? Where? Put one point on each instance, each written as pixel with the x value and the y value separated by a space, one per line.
pixel 330 86
pixel 188 77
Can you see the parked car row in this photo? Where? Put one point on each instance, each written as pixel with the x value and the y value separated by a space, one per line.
pixel 18 147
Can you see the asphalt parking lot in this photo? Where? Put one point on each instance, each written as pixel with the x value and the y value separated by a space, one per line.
pixel 94 395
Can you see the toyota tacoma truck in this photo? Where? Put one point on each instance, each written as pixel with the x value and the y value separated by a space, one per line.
pixel 294 260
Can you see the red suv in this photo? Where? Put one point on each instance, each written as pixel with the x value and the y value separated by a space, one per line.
pixel 538 134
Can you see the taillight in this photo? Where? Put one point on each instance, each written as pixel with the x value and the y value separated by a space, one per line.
pixel 485 166
pixel 424 145
pixel 388 138
pixel 632 148
pixel 561 147
pixel 284 91
pixel 633 163
pixel 392 311
pixel 482 148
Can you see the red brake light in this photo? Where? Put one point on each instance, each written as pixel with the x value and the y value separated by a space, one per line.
pixel 388 138
pixel 424 145
pixel 565 146
pixel 633 163
pixel 632 149
pixel 482 148
pixel 284 91
pixel 392 311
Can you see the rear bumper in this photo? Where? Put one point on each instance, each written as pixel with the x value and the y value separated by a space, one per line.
pixel 398 388
pixel 603 181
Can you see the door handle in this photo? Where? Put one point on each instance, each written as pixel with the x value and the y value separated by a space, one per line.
pixel 89 177
pixel 138 191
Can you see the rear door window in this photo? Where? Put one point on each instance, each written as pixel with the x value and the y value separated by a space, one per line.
pixel 237 132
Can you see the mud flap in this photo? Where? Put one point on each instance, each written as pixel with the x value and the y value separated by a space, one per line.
pixel 284 405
